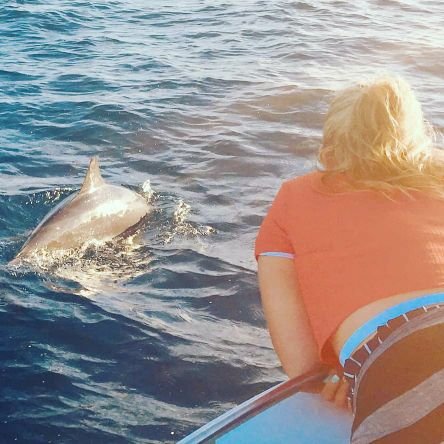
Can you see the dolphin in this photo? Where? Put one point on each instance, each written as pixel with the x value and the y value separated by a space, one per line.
pixel 99 211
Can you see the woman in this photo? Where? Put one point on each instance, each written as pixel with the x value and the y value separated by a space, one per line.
pixel 351 265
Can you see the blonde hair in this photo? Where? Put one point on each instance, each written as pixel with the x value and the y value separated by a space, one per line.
pixel 376 134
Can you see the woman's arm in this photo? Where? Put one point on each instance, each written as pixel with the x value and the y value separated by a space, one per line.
pixel 286 317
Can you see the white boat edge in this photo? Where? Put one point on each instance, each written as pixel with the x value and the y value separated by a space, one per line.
pixel 251 407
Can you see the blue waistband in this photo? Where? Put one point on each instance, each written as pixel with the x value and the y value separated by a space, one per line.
pixel 370 326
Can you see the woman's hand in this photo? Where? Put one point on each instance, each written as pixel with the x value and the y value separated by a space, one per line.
pixel 336 389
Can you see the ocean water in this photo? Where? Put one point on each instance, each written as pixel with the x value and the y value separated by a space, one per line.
pixel 204 107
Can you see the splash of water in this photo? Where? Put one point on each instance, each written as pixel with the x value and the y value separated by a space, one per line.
pixel 180 226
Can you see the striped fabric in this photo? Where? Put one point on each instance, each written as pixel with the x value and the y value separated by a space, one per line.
pixel 418 411
pixel 397 381
pixel 369 327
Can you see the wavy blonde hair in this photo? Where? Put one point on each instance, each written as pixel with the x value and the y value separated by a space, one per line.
pixel 376 134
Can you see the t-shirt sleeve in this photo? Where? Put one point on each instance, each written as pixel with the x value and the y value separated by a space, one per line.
pixel 272 239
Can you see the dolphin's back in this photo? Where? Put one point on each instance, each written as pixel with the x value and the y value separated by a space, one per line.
pixel 41 227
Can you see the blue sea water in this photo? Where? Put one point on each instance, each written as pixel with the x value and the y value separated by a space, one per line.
pixel 214 103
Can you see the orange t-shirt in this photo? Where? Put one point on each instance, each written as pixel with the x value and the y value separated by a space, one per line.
pixel 353 247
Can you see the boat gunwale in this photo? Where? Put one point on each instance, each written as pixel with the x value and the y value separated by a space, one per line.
pixel 251 407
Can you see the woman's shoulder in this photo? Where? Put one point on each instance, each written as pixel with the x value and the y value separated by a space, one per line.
pixel 303 179
pixel 304 183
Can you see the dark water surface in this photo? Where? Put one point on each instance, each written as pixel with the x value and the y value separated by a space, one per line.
pixel 214 103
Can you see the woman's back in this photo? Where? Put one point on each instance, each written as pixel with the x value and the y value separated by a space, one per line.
pixel 354 248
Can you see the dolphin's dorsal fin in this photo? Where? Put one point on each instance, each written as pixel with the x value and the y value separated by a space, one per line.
pixel 93 177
